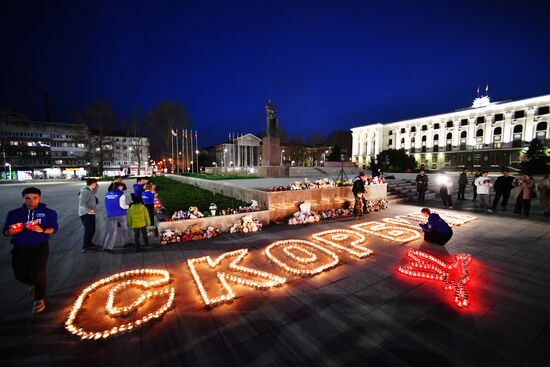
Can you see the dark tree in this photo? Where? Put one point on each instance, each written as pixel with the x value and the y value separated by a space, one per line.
pixel 536 159
pixel 394 160
pixel 165 117
pixel 340 140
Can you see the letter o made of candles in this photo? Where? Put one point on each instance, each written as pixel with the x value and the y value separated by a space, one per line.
pixel 124 281
pixel 301 257
pixel 345 240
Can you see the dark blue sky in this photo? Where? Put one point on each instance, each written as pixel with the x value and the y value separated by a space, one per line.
pixel 326 64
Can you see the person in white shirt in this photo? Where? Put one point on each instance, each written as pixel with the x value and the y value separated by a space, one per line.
pixel 483 184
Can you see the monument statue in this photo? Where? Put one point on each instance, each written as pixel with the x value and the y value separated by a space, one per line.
pixel 272 123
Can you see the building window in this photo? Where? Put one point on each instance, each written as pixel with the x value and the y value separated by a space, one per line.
pixel 390 142
pixel 543 110
pixel 413 148
pixel 463 137
pixel 403 143
pixel 519 114
pixel 449 142
pixel 436 143
pixel 424 144
pixel 517 136
pixel 391 132
pixel 436 126
pixel 541 130
pixel 499 117
pixel 480 120
pixel 413 129
pixel 402 130
pixel 464 122
pixel 449 124
pixel 424 127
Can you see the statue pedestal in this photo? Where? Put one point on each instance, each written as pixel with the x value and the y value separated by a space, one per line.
pixel 271 151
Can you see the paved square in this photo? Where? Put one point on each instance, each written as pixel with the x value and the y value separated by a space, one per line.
pixel 362 312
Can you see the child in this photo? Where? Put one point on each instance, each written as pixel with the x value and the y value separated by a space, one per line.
pixel 148 197
pixel 138 219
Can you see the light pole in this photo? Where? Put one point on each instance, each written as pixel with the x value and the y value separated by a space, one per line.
pixel 197 160
pixel 224 161
pixel 9 168
pixel 282 161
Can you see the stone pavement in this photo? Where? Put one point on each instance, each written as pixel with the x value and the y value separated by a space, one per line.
pixel 360 313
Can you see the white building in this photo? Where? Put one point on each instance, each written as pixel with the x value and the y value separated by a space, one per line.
pixel 488 134
pixel 125 155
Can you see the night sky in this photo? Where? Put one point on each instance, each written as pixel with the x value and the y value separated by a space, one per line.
pixel 326 64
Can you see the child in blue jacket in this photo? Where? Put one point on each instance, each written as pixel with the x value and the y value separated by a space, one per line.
pixel 30 227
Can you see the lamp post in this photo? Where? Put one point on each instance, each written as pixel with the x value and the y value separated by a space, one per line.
pixel 224 161
pixel 197 160
pixel 9 168
pixel 282 151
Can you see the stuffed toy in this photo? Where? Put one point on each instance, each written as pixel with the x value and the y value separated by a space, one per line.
pixel 211 232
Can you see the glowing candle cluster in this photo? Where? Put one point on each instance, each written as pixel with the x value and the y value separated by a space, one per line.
pixel 424 265
pixel 452 219
pixel 269 279
pixel 336 237
pixel 289 251
pixel 303 245
pixel 377 228
pixel 120 311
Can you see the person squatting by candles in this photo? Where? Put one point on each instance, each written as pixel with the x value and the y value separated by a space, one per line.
pixel 30 227
pixel 358 191
pixel 436 229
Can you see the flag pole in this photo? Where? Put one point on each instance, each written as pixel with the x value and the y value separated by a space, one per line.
pixel 172 144
pixel 192 165
pixel 197 149
pixel 177 150
pixel 183 149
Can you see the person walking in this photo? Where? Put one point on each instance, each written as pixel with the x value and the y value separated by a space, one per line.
pixel 421 185
pixel 138 220
pixel 483 184
pixel 436 230
pixel 477 174
pixel 503 185
pixel 525 192
pixel 115 207
pixel 148 197
pixel 543 188
pixel 446 192
pixel 358 191
pixel 30 227
pixel 87 204
pixel 462 182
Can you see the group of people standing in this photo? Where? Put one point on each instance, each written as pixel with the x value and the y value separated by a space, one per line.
pixel 120 216
pixel 483 185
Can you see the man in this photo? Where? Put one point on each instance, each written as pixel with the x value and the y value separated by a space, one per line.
pixel 503 185
pixel 446 192
pixel 375 168
pixel 115 207
pixel 462 182
pixel 138 186
pixel 483 185
pixel 30 228
pixel 87 204
pixel 436 229
pixel 477 174
pixel 421 185
pixel 358 191
pixel 117 179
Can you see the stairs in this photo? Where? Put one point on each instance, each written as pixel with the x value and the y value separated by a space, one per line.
pixel 402 190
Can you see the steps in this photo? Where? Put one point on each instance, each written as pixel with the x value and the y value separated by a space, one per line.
pixel 402 190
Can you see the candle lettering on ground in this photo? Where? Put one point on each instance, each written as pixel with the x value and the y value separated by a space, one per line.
pixel 351 242
pixel 232 273
pixel 424 265
pixel 395 233
pixel 113 311
pixel 287 259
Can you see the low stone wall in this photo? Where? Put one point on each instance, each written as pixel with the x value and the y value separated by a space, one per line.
pixel 261 171
pixel 282 204
pixel 222 222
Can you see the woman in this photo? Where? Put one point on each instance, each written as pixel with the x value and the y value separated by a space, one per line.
pixel 525 191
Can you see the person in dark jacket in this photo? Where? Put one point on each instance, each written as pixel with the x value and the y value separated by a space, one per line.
pixel 421 185
pixel 30 228
pixel 375 168
pixel 436 229
pixel 117 179
pixel 462 182
pixel 358 191
pixel 503 185
pixel 477 174
pixel 87 205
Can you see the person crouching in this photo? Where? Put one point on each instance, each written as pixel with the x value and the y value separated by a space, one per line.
pixel 138 220
pixel 436 229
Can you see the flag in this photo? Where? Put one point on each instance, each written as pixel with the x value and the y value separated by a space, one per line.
pixel 478 89
pixel 486 88
pixel 175 133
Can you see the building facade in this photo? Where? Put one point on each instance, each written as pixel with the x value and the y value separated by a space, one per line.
pixel 34 150
pixel 486 135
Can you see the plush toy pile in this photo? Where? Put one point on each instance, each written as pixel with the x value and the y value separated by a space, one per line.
pixel 193 233
pixel 246 224
pixel 336 213
pixel 192 213
pixel 341 183
pixel 376 180
pixel 304 216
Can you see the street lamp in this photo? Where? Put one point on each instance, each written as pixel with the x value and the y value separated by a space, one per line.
pixel 9 168
pixel 224 161
pixel 197 160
